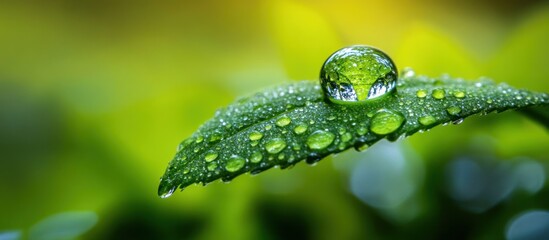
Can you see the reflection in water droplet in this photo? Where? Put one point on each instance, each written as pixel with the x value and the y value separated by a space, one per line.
pixel 275 145
pixel 386 121
pixel 427 120
pixel 283 121
pixel 421 93
pixel 254 136
pixel 439 94
pixel 234 163
pixel 320 139
pixel 300 128
pixel 357 73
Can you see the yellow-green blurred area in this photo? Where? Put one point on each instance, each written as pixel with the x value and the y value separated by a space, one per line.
pixel 96 95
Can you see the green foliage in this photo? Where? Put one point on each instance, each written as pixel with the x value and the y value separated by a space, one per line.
pixel 286 124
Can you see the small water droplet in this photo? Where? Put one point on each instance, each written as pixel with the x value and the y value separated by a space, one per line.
pixel 453 110
pixel 254 136
pixel 357 73
pixel 346 137
pixel 283 121
pixel 268 127
pixel 281 156
pixel 212 166
pixel 254 143
pixel 235 163
pixel 330 118
pixel 427 120
pixel 361 130
pixel 459 94
pixel 215 137
pixel 199 139
pixel 210 156
pixel 275 145
pixel 256 157
pixel 421 93
pixel 386 121
pixel 320 139
pixel 439 94
pixel 489 101
pixel 300 128
pixel 169 192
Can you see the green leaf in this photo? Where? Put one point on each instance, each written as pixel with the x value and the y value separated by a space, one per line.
pixel 286 124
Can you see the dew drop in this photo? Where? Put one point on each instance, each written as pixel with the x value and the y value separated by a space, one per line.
pixel 330 118
pixel 386 121
pixel 300 128
pixel 199 139
pixel 346 137
pixel 254 136
pixel 254 143
pixel 210 156
pixel 439 94
pixel 283 121
pixel 234 163
pixel 215 137
pixel 169 192
pixel 275 145
pixel 427 120
pixel 361 131
pixel 320 139
pixel 268 127
pixel 459 94
pixel 212 167
pixel 453 110
pixel 256 157
pixel 421 93
pixel 357 73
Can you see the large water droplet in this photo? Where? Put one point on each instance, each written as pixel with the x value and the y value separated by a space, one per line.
pixel 386 121
pixel 357 73
pixel 283 121
pixel 320 139
pixel 235 163
pixel 275 145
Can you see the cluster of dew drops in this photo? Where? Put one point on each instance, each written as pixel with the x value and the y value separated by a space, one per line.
pixel 352 75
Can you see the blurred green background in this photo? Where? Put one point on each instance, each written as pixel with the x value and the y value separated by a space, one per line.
pixel 96 95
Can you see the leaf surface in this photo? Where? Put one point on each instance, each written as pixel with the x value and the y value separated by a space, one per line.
pixel 284 125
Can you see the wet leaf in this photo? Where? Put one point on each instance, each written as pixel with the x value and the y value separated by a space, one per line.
pixel 284 125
